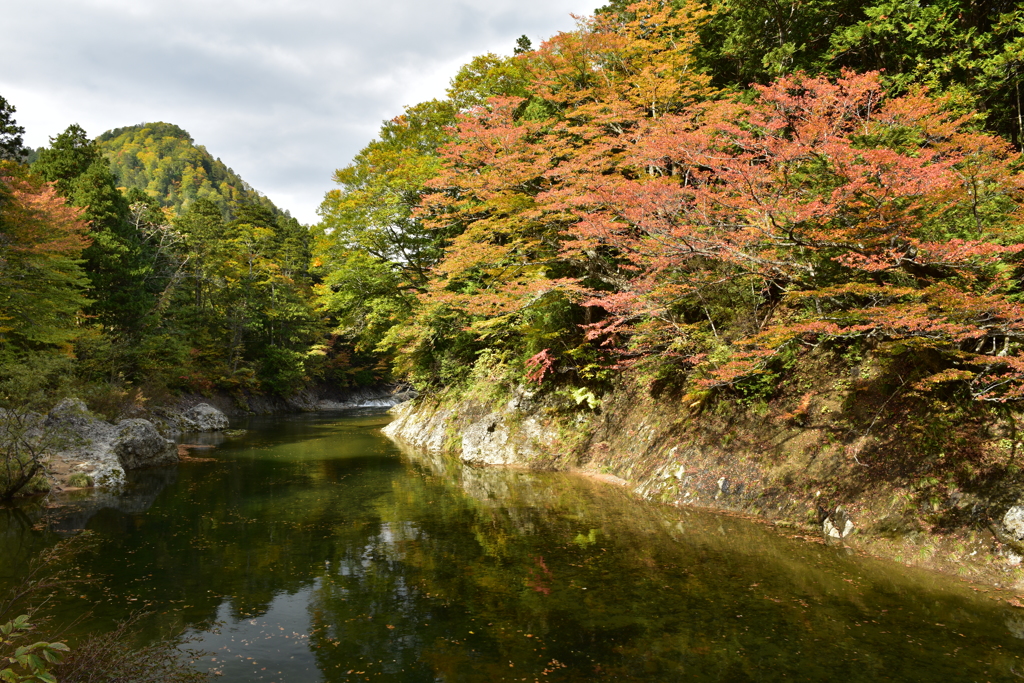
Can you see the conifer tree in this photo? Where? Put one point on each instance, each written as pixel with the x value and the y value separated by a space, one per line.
pixel 118 262
pixel 11 144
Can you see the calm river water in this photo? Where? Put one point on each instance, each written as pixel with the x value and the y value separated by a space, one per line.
pixel 313 549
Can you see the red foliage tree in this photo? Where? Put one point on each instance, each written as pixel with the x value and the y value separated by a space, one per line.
pixel 726 230
pixel 499 193
pixel 828 211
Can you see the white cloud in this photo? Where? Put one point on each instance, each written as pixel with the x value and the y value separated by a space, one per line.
pixel 283 91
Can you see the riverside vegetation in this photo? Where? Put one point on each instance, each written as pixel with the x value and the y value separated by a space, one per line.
pixel 780 244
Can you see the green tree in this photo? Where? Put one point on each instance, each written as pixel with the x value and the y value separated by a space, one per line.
pixel 486 76
pixel 972 50
pixel 372 253
pixel 119 263
pixel 202 227
pixel 11 144
pixel 244 306
pixel 69 155
pixel 373 250
pixel 269 317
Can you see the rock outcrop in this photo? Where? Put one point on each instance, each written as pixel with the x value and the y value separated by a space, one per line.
pixel 103 451
pixel 363 397
pixel 1013 522
pixel 800 460
pixel 513 434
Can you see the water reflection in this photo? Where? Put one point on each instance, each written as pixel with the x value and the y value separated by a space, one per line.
pixel 321 550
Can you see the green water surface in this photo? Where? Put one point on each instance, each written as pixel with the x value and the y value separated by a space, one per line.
pixel 313 549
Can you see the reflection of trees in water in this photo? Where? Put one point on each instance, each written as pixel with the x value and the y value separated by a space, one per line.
pixel 365 609
pixel 232 531
pixel 28 528
pixel 615 590
pixel 20 539
pixel 404 558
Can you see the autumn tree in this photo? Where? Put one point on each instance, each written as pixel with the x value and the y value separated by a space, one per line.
pixel 162 160
pixel 42 285
pixel 242 299
pixel 970 50
pixel 501 192
pixel 824 210
pixel 374 252
pixel 119 262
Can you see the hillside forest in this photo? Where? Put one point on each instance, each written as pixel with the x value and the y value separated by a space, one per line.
pixel 700 191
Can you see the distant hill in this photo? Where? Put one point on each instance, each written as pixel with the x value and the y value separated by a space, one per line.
pixel 164 161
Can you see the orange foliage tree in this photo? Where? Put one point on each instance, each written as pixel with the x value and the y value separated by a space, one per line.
pixel 498 192
pixel 41 279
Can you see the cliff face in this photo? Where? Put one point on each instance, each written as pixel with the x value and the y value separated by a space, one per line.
pixel 513 431
pixel 827 462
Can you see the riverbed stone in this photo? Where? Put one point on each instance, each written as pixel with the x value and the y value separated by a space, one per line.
pixel 838 525
pixel 88 441
pixel 1015 624
pixel 72 415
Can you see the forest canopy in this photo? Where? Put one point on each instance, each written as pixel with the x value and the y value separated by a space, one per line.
pixel 671 184
pixel 701 189
pixel 121 286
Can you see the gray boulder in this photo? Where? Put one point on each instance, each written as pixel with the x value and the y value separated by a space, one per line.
pixel 72 416
pixel 837 525
pixel 203 417
pixel 1013 522
pixel 138 444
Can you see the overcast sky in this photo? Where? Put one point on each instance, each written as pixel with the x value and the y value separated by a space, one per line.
pixel 283 91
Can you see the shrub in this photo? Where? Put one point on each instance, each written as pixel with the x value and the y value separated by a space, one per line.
pixel 80 480
pixel 115 656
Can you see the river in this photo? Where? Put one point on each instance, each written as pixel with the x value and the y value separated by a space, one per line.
pixel 312 548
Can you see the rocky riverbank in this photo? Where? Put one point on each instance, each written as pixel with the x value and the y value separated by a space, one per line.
pixel 171 418
pixel 94 452
pixel 876 494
